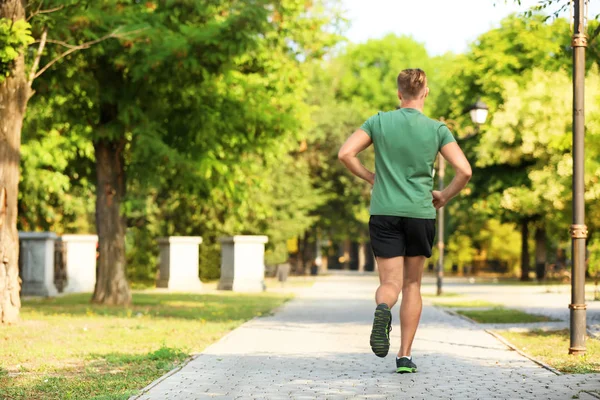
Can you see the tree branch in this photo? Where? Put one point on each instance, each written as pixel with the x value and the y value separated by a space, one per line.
pixel 50 10
pixel 595 34
pixel 12 19
pixel 38 56
pixel 114 34
pixel 64 44
pixel 38 9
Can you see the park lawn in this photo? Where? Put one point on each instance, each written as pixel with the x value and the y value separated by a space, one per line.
pixel 501 315
pixel 466 304
pixel 67 348
pixel 292 282
pixel 443 295
pixel 551 347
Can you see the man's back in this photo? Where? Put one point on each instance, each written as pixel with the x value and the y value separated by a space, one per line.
pixel 406 144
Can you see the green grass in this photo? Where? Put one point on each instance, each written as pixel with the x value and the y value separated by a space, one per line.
pixel 501 315
pixel 552 348
pixel 443 295
pixel 466 304
pixel 67 348
pixel 292 282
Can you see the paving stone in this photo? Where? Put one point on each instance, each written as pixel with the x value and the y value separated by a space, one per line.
pixel 317 347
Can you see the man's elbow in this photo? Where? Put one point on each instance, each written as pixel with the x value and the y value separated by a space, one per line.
pixel 466 172
pixel 344 155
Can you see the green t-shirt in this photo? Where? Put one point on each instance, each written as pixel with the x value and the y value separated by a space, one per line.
pixel 406 144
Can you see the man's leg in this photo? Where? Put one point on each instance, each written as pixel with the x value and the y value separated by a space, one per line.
pixel 389 247
pixel 411 306
pixel 390 280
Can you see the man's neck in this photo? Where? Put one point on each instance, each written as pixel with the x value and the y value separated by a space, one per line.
pixel 417 105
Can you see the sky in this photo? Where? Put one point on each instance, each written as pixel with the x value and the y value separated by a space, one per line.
pixel 442 25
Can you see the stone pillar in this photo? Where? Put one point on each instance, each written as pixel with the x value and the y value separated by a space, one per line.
pixel 179 263
pixel 243 263
pixel 80 251
pixel 36 263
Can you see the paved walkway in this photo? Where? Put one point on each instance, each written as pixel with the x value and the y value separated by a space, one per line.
pixel 317 347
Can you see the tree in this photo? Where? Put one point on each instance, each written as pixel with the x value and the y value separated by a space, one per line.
pixel 509 53
pixel 209 59
pixel 14 93
pixel 552 8
pixel 117 92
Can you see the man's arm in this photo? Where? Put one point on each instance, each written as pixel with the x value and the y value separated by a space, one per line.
pixel 356 143
pixel 455 156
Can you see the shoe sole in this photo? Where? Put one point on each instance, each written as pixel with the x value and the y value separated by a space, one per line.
pixel 380 340
pixel 406 370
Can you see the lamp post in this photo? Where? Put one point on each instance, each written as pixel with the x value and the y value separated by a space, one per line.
pixel 440 263
pixel 578 230
pixel 479 112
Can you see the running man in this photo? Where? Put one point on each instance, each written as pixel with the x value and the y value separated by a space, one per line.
pixel 403 204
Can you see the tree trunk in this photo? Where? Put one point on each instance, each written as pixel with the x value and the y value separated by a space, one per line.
pixel 540 253
pixel 301 261
pixel 347 250
pixel 111 282
pixel 524 250
pixel 14 93
pixel 307 254
pixel 362 257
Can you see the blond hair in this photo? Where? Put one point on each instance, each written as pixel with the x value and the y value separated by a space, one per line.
pixel 411 83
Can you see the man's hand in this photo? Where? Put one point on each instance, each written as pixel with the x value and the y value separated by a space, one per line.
pixel 356 143
pixel 371 179
pixel 439 200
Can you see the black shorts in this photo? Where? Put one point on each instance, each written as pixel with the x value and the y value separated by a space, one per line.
pixel 401 236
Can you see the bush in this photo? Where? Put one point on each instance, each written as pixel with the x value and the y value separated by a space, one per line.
pixel 210 259
pixel 142 256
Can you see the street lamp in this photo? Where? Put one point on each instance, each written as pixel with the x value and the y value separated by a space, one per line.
pixel 479 112
pixel 579 231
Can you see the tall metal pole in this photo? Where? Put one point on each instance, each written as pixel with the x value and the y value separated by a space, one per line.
pixel 440 264
pixel 578 230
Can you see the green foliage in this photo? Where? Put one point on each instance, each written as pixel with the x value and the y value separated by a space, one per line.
pixel 142 254
pixel 461 251
pixel 57 179
pixel 512 50
pixel 209 99
pixel 593 267
pixel 522 155
pixel 15 36
pixel 552 8
pixel 501 315
pixel 233 120
pixel 499 241
pixel 532 128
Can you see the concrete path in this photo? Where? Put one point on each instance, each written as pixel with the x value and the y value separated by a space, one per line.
pixel 317 347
